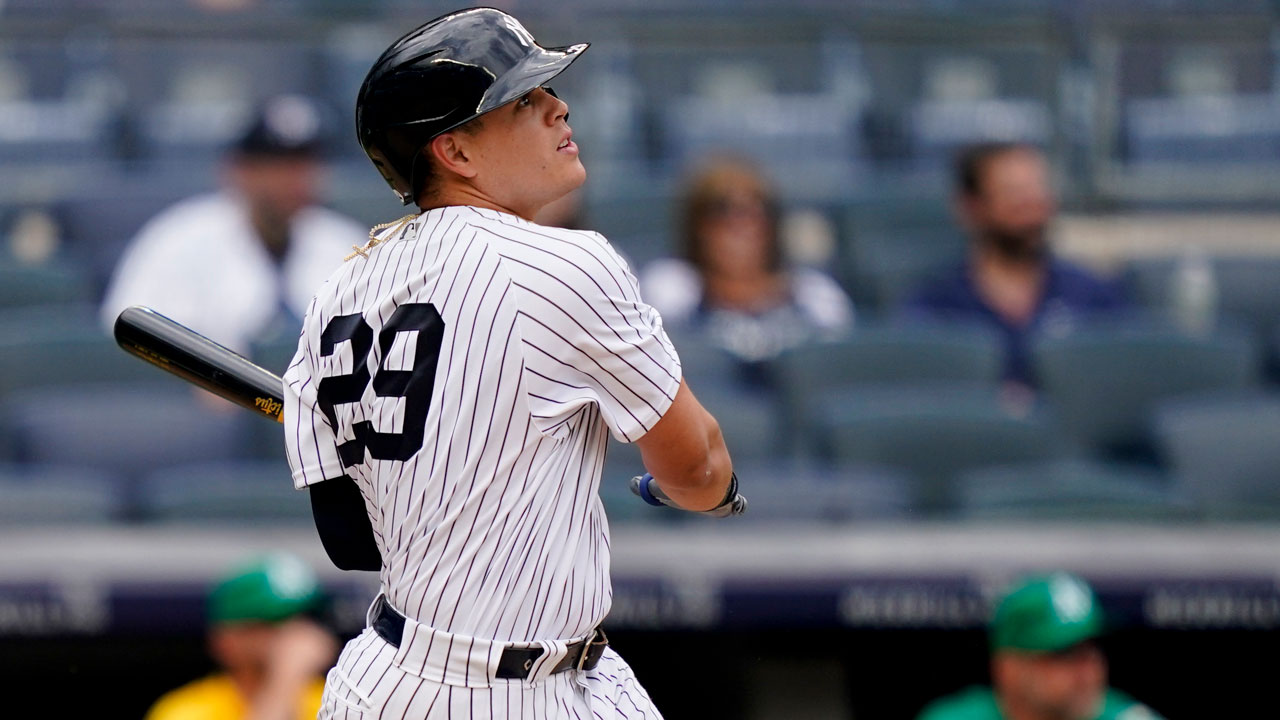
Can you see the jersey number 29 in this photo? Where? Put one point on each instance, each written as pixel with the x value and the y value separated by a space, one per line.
pixel 414 385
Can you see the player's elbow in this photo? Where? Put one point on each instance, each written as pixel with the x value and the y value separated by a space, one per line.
pixel 704 469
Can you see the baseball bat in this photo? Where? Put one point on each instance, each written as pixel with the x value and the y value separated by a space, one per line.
pixel 178 349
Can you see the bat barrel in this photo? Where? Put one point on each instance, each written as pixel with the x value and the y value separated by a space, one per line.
pixel 195 358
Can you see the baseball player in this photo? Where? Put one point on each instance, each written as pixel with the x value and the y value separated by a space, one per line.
pixel 454 386
pixel 270 651
pixel 1045 663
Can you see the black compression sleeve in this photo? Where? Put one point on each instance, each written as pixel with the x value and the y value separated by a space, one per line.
pixel 343 525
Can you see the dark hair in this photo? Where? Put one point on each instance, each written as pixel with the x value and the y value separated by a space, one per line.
pixel 706 193
pixel 972 160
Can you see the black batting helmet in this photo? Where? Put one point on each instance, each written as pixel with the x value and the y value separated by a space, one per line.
pixel 442 74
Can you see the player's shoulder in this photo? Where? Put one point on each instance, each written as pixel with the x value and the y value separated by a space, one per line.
pixel 510 228
pixel 974 703
pixel 554 250
pixel 209 697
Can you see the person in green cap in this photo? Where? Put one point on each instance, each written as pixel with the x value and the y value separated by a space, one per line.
pixel 271 654
pixel 1045 662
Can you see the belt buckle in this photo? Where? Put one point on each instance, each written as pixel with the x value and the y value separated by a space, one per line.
pixel 592 649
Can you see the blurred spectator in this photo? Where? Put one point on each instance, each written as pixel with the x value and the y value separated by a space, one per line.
pixel 1010 279
pixel 733 283
pixel 271 655
pixel 242 264
pixel 1045 662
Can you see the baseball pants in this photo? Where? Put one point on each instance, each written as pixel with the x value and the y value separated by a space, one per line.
pixel 372 680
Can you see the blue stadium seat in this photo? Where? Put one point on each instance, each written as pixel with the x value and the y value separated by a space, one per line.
pixel 22 285
pixel 1248 288
pixel 748 421
pixel 1224 452
pixel 1068 490
pixel 33 132
pixel 932 433
pixel 938 127
pixel 1104 382
pixel 108 208
pixel 276 353
pixel 790 492
pixel 234 492
pixel 44 494
pixel 876 355
pixel 121 429
pixel 64 345
pixel 885 268
pixel 1240 129
pixel 702 361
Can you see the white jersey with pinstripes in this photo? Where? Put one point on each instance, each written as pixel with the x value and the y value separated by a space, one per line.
pixel 466 374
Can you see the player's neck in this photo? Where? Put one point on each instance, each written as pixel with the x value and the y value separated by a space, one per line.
pixel 457 195
pixel 247 681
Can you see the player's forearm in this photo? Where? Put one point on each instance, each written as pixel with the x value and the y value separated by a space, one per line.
pixel 701 485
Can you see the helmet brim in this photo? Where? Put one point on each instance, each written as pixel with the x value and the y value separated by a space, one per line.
pixel 529 73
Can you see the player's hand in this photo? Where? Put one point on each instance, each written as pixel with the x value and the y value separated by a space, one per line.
pixel 647 489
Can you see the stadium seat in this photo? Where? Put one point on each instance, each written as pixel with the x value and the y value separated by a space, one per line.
pixel 1224 452
pixel 702 361
pixel 748 421
pixel 25 285
pixel 885 268
pixel 1067 490
pixel 34 131
pixel 276 353
pixel 41 494
pixel 121 429
pixel 932 434
pixel 959 354
pixel 1222 128
pixel 100 224
pixel 891 247
pixel 64 345
pixel 223 492
pixel 1104 382
pixel 790 492
pixel 1248 288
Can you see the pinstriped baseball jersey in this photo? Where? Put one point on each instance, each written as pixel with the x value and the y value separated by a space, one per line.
pixel 465 374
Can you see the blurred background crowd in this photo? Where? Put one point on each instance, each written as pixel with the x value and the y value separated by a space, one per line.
pixel 931 263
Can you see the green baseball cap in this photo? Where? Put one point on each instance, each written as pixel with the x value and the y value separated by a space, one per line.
pixel 1046 613
pixel 269 588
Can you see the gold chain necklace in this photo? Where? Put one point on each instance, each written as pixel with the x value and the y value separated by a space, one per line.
pixel 373 236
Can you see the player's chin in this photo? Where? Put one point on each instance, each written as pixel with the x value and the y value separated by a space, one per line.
pixel 574 176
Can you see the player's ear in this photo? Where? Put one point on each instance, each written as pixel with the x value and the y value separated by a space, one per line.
pixel 452 154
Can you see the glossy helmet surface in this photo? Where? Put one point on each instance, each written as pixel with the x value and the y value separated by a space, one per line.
pixel 442 74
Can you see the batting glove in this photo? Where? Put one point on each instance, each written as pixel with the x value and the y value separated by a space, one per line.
pixel 651 492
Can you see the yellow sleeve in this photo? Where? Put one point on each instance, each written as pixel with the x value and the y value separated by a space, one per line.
pixel 211 698
pixel 309 707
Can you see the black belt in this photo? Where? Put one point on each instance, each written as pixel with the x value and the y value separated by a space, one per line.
pixel 515 662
